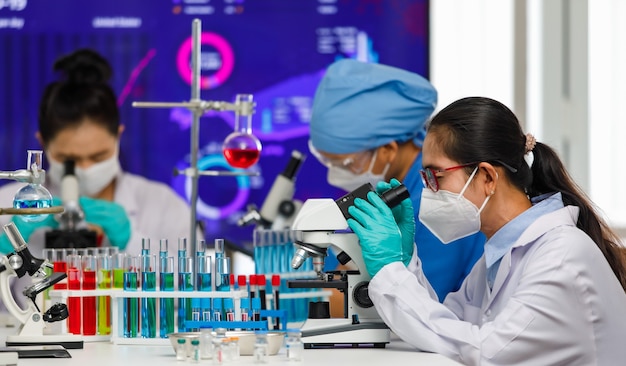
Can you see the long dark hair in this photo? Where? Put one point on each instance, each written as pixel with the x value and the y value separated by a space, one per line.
pixel 482 129
pixel 82 91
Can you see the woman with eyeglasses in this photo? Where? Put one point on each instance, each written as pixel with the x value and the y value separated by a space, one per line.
pixel 549 289
pixel 367 126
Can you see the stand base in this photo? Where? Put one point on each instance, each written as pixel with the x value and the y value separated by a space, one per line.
pixel 341 333
pixel 67 341
pixel 8 358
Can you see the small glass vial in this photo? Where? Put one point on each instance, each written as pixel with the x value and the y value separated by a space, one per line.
pixel 218 351
pixel 206 343
pixel 294 345
pixel 181 349
pixel 195 350
pixel 260 347
pixel 233 348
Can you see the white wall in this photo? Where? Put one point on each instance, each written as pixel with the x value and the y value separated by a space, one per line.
pixel 607 107
pixel 472 49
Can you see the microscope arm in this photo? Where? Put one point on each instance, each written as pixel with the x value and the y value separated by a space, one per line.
pixel 22 315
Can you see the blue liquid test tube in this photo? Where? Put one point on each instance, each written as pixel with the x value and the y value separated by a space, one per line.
pixel 131 304
pixel 185 283
pixel 148 304
pixel 166 305
pixel 203 283
pixel 222 274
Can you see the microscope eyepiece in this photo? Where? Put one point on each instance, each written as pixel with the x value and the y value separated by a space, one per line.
pixel 391 197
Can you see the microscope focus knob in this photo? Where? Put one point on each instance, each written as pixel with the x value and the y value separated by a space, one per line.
pixel 361 295
pixel 16 262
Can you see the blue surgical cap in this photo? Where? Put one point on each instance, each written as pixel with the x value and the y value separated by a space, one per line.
pixel 359 106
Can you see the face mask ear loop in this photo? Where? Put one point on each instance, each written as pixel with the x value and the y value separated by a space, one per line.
pixel 468 182
pixel 369 170
pixel 483 205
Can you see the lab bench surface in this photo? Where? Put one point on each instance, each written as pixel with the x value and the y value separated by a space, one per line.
pixel 107 354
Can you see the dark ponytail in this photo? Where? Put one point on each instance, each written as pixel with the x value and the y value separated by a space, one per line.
pixel 482 129
pixel 550 176
pixel 82 91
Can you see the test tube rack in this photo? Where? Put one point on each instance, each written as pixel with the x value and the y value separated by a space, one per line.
pixel 118 296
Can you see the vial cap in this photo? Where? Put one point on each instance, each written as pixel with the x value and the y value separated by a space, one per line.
pixel 275 280
pixel 261 280
pixel 228 303
pixel 181 341
pixel 245 303
pixel 256 303
pixel 195 342
pixel 241 281
pixel 252 280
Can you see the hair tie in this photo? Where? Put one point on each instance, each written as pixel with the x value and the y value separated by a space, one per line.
pixel 529 157
pixel 531 141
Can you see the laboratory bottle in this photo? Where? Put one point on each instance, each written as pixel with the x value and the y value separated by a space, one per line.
pixel 260 347
pixel 195 351
pixel 206 343
pixel 294 345
pixel 181 349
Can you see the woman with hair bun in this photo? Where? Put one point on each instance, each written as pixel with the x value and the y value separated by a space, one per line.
pixel 549 289
pixel 79 120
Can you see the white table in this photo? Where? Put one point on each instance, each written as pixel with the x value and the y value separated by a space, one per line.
pixel 108 354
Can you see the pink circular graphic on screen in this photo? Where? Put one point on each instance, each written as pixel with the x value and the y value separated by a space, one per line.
pixel 225 51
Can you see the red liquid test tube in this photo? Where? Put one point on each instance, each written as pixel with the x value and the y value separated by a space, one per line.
pixel 89 302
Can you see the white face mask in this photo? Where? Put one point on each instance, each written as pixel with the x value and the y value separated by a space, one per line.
pixel 92 180
pixel 348 181
pixel 450 216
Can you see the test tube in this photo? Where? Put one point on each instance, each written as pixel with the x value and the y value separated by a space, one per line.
pixel 185 283
pixel 131 304
pixel 59 264
pixel 222 273
pixel 203 283
pixel 117 263
pixel 74 303
pixel 105 277
pixel 148 304
pixel 166 305
pixel 89 267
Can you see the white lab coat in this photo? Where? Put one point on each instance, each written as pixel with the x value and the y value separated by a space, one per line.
pixel 155 211
pixel 555 301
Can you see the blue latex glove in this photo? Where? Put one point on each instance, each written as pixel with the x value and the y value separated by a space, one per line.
pixel 27 228
pixel 379 235
pixel 110 216
pixel 405 218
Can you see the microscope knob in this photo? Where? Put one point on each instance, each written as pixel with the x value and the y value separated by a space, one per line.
pixel 361 295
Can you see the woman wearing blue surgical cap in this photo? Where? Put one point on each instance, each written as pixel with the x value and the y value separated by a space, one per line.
pixel 367 125
pixel 549 289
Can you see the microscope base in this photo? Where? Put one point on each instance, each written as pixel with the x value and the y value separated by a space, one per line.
pixel 68 341
pixel 8 358
pixel 341 333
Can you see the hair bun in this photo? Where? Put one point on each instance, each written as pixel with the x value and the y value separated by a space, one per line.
pixel 84 66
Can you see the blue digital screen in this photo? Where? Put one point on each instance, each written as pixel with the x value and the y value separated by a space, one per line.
pixel 276 50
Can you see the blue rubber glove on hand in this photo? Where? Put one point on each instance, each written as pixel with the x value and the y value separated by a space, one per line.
pixel 110 216
pixel 405 218
pixel 27 228
pixel 379 235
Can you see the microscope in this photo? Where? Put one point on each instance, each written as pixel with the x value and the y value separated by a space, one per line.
pixel 320 224
pixel 279 208
pixel 72 231
pixel 18 264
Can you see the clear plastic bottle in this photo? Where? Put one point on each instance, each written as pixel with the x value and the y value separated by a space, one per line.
pixel 218 351
pixel 261 347
pixel 234 350
pixel 195 350
pixel 206 343
pixel 294 345
pixel 181 349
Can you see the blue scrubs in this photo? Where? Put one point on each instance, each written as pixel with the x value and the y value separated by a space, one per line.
pixel 445 265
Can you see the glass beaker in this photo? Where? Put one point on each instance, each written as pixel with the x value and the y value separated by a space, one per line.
pixel 241 148
pixel 33 195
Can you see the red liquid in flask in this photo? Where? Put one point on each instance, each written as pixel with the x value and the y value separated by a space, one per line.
pixel 241 158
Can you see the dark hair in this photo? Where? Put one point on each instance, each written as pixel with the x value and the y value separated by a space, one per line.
pixel 81 92
pixel 482 129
